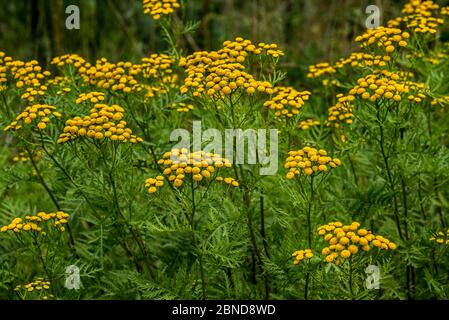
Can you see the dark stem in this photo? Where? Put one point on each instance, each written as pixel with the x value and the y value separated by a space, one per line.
pixel 262 226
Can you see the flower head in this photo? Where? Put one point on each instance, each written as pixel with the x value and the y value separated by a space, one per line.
pixel 180 164
pixel 103 122
pixel 38 115
pixel 300 255
pixel 159 8
pixel 348 240
pixel 221 73
pixel 309 161
pixel 39 223
pixel 286 101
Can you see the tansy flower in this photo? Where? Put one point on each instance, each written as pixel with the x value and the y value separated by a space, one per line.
pixel 388 85
pixel 178 165
pixel 286 101
pixel 182 107
pixel 157 66
pixel 27 74
pixel 23 157
pixel 159 8
pixel 309 161
pixel 39 286
pixel 387 39
pixel 116 77
pixel 419 17
pixel 308 123
pixel 341 113
pixel 348 240
pixel 39 223
pixel 38 115
pixel 317 70
pixel 221 73
pixel 300 255
pixel 362 60
pixel 60 84
pixel 440 237
pixel 93 97
pixel 355 60
pixel 442 101
pixel 103 122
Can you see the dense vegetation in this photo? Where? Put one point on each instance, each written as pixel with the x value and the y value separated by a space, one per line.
pixel 91 181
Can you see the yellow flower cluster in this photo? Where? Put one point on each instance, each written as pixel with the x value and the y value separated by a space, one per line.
pixel 94 97
pixel 287 102
pixel 157 66
pixel 23 157
pixel 386 85
pixel 178 164
pixel 346 240
pixel 442 101
pixel 36 223
pixel 301 255
pixel 309 161
pixel 61 84
pixel 341 113
pixel 356 59
pixel 69 59
pixel 421 7
pixel 34 93
pixel 308 123
pixel 418 17
pixel 440 237
pixel 182 107
pixel 222 72
pixel 360 59
pixel 385 38
pixel 432 57
pixel 151 91
pixel 3 70
pixel 331 82
pixel 122 76
pixel 38 113
pixel 159 8
pixel 445 11
pixel 108 75
pixel 103 122
pixel 27 74
pixel 38 285
pixel 104 74
pixel 323 68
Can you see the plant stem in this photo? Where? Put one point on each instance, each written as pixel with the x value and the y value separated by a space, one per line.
pixel 350 279
pixel 198 247
pixel 49 192
pixel 389 175
pixel 262 226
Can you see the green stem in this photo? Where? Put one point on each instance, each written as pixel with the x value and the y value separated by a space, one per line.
pixel 350 279
pixel 198 247
pixel 49 192
pixel 389 175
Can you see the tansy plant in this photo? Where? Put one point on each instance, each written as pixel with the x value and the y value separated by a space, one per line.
pixel 87 146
